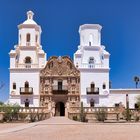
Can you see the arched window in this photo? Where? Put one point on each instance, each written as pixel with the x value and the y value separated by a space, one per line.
pixel 104 86
pixel 91 62
pixel 92 103
pixel 14 85
pixel 89 43
pixel 26 84
pixel 102 56
pixel 92 86
pixel 20 38
pixel 36 38
pixel 90 39
pixel 28 60
pixel 28 37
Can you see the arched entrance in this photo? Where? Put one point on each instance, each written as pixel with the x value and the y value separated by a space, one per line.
pixel 60 109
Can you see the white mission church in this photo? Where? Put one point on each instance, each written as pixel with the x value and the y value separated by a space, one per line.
pixel 58 82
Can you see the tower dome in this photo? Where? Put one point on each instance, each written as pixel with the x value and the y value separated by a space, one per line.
pixel 29 32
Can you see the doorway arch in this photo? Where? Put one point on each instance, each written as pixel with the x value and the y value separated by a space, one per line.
pixel 60 109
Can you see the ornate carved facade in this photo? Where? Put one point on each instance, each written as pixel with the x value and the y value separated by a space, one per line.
pixel 59 85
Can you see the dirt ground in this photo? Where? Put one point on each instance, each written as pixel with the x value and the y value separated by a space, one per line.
pixel 63 129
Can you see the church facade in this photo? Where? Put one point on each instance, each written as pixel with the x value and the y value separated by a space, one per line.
pixel 58 83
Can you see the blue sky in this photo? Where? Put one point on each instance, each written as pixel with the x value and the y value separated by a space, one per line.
pixel 60 21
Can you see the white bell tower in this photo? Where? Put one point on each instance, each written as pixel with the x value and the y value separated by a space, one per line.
pixel 29 32
pixel 92 60
pixel 26 61
pixel 90 35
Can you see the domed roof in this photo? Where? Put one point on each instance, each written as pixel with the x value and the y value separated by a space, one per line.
pixel 30 20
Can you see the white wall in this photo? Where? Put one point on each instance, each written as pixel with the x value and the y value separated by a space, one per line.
pixel 34 100
pixel 90 35
pixel 24 31
pixel 21 76
pixel 30 53
pixel 119 95
pixel 98 77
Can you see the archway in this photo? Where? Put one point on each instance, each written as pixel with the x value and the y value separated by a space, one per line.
pixel 60 109
pixel 27 103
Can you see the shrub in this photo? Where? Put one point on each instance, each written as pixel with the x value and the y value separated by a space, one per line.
pixel 33 117
pixel 101 115
pixel 75 118
pixel 82 114
pixel 10 112
pixel 137 118
pixel 127 114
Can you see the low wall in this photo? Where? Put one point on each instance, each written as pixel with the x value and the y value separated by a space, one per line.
pixel 25 114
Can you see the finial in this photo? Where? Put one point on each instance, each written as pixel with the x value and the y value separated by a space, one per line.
pixel 30 15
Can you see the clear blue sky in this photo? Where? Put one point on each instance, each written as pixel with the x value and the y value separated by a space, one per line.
pixel 60 21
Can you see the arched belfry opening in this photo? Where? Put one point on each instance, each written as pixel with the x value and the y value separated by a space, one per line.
pixel 92 86
pixel 28 60
pixel 60 109
pixel 28 38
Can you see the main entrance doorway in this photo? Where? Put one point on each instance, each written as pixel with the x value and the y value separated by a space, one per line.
pixel 60 109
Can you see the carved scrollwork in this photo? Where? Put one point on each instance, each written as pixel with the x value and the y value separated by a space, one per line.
pixel 61 66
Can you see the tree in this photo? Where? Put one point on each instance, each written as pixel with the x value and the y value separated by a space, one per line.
pixel 82 115
pixel 136 80
pixel 1 103
pixel 138 101
pixel 101 114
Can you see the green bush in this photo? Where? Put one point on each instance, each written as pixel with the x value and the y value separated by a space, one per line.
pixel 75 118
pixel 101 115
pixel 10 112
pixel 137 118
pixel 127 114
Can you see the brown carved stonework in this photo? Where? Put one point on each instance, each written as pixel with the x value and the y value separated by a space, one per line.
pixel 59 83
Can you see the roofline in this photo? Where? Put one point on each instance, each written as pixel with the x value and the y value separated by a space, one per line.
pixel 90 26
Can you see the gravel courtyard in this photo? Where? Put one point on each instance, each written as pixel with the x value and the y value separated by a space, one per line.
pixel 61 128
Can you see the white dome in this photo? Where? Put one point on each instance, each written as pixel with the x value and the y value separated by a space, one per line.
pixel 29 21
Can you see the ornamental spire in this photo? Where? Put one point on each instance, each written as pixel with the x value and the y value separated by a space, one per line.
pixel 30 15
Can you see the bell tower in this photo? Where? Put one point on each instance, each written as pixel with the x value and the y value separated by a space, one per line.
pixel 92 60
pixel 26 60
pixel 90 35
pixel 29 32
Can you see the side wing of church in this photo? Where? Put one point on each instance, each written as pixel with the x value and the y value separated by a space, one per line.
pixel 59 83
